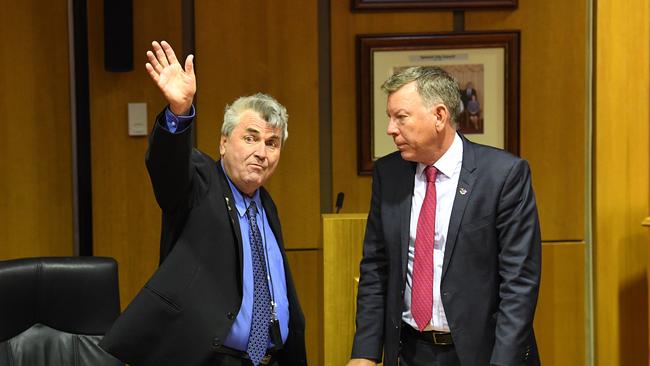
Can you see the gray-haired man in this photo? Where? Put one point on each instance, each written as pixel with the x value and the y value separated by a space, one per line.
pixel 223 294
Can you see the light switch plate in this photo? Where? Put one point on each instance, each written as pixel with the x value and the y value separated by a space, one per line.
pixel 138 119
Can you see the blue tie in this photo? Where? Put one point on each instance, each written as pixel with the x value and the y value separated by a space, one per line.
pixel 259 336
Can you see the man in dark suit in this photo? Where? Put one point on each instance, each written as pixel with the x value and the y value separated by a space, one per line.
pixel 452 252
pixel 223 294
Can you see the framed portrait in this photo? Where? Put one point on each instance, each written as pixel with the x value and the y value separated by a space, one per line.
pixel 432 4
pixel 486 66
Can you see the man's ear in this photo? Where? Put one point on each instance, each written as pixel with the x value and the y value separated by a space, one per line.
pixel 441 115
pixel 222 145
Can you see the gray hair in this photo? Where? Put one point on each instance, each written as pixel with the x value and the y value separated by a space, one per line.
pixel 269 109
pixel 434 85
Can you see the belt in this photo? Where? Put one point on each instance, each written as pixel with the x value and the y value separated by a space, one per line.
pixel 433 336
pixel 241 354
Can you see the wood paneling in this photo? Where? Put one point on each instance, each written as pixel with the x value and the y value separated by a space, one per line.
pixel 553 105
pixel 245 47
pixel 621 182
pixel 560 325
pixel 126 219
pixel 553 95
pixel 342 252
pixel 35 142
pixel 307 270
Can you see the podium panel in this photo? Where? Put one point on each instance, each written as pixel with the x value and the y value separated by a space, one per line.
pixel 342 251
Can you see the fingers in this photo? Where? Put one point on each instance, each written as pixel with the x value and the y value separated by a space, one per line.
pixel 169 52
pixel 189 64
pixel 154 62
pixel 150 69
pixel 160 54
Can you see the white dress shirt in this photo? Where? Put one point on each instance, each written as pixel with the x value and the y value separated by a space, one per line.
pixel 448 166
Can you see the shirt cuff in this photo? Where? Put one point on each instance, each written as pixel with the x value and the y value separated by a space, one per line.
pixel 177 124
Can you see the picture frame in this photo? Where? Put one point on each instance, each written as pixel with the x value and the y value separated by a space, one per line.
pixel 486 65
pixel 369 5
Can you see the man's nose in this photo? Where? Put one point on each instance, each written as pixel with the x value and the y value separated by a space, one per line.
pixel 391 129
pixel 260 150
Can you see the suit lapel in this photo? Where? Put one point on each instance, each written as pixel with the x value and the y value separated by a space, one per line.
pixel 463 193
pixel 232 211
pixel 404 213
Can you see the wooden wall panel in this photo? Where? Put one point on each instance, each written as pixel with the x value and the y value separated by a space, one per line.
pixel 553 96
pixel 560 317
pixel 621 181
pixel 35 142
pixel 271 47
pixel 344 26
pixel 553 105
pixel 307 270
pixel 126 219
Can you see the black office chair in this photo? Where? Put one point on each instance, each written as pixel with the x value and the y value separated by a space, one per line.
pixel 54 311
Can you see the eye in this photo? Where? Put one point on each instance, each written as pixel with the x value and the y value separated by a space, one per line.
pixel 249 139
pixel 273 143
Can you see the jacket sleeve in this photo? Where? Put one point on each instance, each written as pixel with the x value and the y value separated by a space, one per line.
pixel 371 296
pixel 168 161
pixel 179 175
pixel 519 261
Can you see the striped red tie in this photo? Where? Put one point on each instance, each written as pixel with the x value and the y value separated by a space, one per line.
pixel 422 294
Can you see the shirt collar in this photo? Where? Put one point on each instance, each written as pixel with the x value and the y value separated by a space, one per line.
pixel 449 160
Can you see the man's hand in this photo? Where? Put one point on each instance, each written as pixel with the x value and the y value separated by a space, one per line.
pixel 361 362
pixel 178 85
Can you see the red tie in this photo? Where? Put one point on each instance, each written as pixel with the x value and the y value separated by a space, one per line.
pixel 422 294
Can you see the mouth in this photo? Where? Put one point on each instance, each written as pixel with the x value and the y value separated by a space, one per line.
pixel 257 167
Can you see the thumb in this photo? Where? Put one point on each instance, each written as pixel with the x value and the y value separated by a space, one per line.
pixel 189 64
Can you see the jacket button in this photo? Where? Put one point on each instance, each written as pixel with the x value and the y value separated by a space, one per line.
pixel 230 316
pixel 216 342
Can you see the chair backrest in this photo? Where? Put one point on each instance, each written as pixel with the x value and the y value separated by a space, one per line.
pixel 54 310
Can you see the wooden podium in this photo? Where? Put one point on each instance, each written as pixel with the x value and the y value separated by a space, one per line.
pixel 342 251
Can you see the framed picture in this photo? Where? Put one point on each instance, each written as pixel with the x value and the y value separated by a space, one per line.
pixel 432 4
pixel 486 66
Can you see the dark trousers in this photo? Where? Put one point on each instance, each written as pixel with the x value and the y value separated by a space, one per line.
pixel 417 352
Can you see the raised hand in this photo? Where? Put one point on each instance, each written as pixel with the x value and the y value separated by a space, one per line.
pixel 177 85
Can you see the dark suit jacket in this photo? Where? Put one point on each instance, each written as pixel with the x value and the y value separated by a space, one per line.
pixel 188 306
pixel 491 267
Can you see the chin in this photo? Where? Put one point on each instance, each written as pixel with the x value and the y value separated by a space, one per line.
pixel 406 156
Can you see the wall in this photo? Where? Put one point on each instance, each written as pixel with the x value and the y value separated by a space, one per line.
pixel 35 142
pixel 126 219
pixel 621 182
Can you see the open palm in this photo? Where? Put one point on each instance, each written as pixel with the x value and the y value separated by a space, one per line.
pixel 178 85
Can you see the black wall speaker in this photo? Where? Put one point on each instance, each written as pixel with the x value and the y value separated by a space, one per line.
pixel 118 35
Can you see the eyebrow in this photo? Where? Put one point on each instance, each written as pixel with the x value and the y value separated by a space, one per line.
pixel 252 130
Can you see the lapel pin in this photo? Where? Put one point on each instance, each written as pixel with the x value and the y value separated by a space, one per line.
pixel 462 191
pixel 228 204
